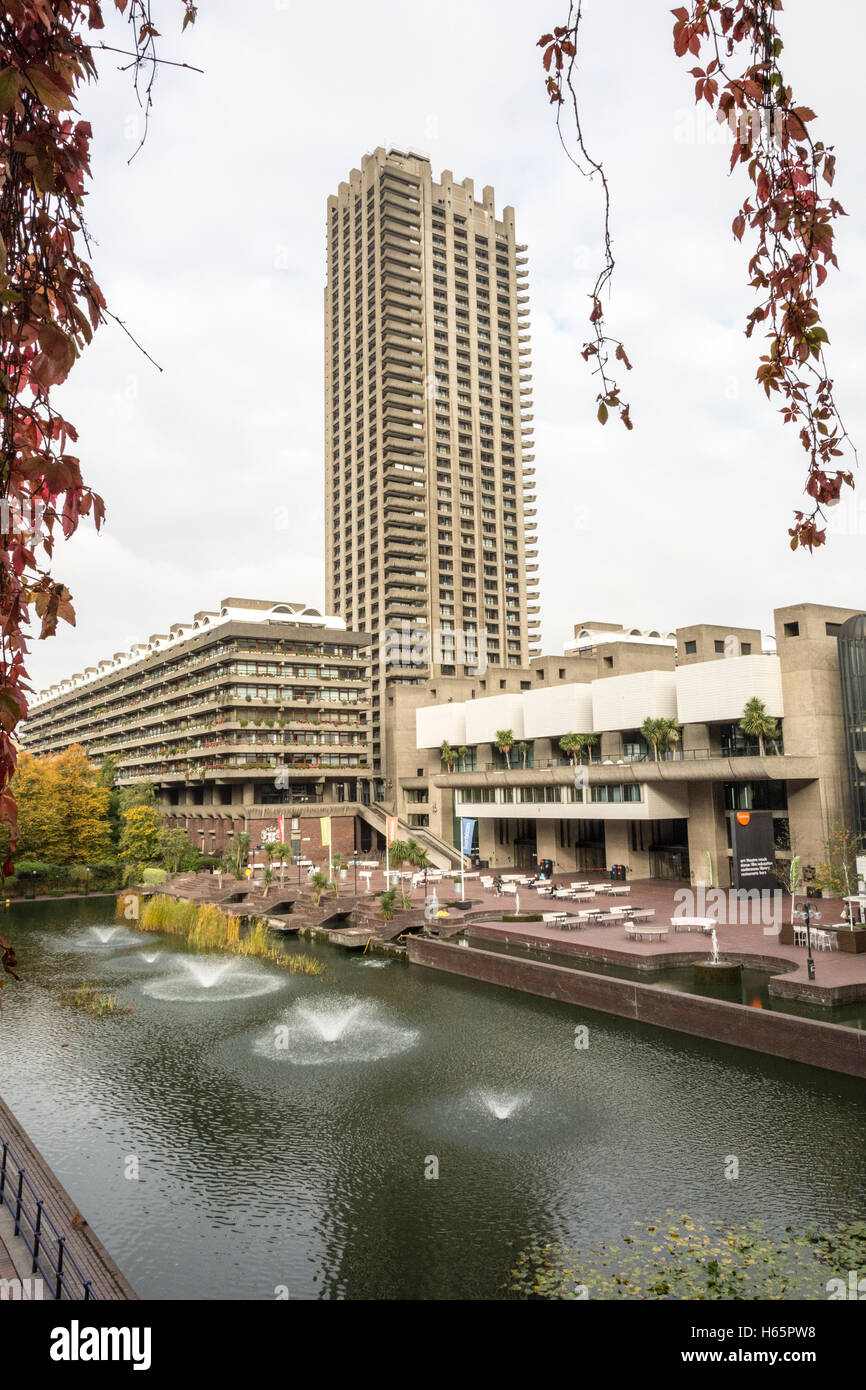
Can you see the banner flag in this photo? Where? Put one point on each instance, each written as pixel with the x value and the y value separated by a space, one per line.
pixel 391 829
pixel 281 825
pixel 325 823
pixel 467 835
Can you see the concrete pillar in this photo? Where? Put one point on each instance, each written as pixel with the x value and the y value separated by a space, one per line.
pixel 611 745
pixel 487 845
pixel 548 846
pixel 708 834
pixel 616 843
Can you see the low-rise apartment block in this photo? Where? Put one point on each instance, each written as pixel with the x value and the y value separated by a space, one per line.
pixel 665 814
pixel 249 712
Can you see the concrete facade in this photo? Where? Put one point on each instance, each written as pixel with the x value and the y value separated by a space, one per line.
pixel 429 493
pixel 251 711
pixel 659 818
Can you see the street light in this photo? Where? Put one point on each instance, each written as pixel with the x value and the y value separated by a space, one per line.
pixel 808 914
pixel 355 867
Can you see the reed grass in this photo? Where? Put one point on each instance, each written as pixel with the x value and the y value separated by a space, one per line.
pixel 94 1000
pixel 207 928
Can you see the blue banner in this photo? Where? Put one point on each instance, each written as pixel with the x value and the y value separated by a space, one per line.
pixel 467 835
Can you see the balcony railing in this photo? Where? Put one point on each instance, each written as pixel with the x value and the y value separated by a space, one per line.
pixel 677 755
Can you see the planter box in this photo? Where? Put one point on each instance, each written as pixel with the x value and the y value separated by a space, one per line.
pixel 852 941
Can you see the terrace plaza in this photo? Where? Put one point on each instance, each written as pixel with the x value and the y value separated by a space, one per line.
pixel 663 813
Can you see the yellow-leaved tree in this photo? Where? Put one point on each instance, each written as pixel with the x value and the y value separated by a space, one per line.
pixel 141 835
pixel 63 809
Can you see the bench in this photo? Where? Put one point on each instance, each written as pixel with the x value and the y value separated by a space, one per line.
pixel 701 924
pixel 640 931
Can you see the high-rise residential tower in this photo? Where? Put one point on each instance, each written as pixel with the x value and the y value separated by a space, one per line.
pixel 429 497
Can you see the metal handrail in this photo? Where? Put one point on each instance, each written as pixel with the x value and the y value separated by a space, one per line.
pixel 60 1270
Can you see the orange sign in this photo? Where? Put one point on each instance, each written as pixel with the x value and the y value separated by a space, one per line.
pixel 391 830
pixel 743 817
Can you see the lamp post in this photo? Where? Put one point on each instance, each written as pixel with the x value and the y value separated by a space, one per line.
pixel 808 914
pixel 355 867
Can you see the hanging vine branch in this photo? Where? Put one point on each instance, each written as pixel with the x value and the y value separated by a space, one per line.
pixel 560 53
pixel 50 307
pixel 791 213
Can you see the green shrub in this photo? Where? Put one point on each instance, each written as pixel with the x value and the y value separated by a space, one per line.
pixel 35 874
pixel 106 873
pixel 152 877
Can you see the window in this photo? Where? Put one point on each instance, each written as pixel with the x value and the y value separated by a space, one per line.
pixel 792 629
pixel 691 648
pixel 719 647
pixel 832 629
pixel 745 649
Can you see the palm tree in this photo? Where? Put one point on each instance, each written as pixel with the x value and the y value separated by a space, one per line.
pixel 757 723
pixel 417 856
pixel 235 854
pixel 655 733
pixel 387 901
pixel 398 855
pixel 283 853
pixel 522 750
pixel 503 743
pixel 571 745
pixel 463 755
pixel 587 743
pixel 448 754
pixel 320 884
pixel 575 745
pixel 267 880
pixel 672 733
pixel 337 864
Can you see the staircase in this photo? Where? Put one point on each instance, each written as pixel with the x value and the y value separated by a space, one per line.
pixel 441 854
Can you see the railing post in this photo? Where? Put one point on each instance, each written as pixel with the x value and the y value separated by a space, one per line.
pixel 36 1229
pixel 17 1231
pixel 61 1246
pixel 3 1170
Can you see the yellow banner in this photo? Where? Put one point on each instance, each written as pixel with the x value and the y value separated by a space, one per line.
pixel 325 823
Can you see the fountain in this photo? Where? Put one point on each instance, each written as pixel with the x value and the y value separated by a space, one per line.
pixel 501 1107
pixel 208 973
pixel 334 1030
pixel 104 934
pixel 150 956
pixel 330 1026
pixel 201 978
pixel 715 967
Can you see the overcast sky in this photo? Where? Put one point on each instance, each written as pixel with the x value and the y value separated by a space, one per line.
pixel 211 247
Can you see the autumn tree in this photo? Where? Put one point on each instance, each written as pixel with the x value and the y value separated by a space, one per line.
pixel 50 307
pixel 63 808
pixel 141 835
pixel 737 50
